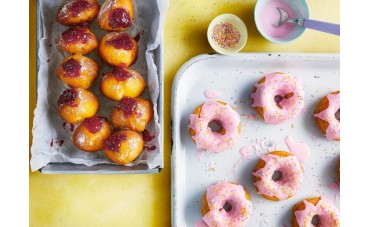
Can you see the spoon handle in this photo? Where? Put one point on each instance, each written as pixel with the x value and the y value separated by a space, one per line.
pixel 322 26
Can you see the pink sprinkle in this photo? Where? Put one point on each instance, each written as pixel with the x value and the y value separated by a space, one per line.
pixel 244 152
pixel 334 186
pixel 200 224
pixel 252 117
pixel 300 150
pixel 199 154
pixel 211 94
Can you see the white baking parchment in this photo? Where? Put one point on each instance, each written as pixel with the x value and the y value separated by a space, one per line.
pixel 52 137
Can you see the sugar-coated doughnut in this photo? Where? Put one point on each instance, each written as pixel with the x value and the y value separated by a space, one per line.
pixel 118 49
pixel 327 115
pixel 77 11
pixel 116 15
pixel 91 134
pixel 78 71
pixel 278 97
pixel 76 104
pixel 223 115
pixel 77 40
pixel 122 82
pixel 123 146
pixel 278 175
pixel 226 204
pixel 317 211
pixel 132 113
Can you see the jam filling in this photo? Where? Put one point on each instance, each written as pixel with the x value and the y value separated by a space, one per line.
pixel 79 6
pixel 113 143
pixel 72 68
pixel 75 35
pixel 122 42
pixel 127 105
pixel 68 97
pixel 146 136
pixel 93 124
pixel 121 74
pixel 119 18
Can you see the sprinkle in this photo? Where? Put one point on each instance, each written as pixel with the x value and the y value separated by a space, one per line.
pixel 225 35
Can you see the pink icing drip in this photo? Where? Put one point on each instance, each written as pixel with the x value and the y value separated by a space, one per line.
pixel 325 209
pixel 199 154
pixel 252 117
pixel 211 94
pixel 334 186
pixel 244 153
pixel 300 150
pixel 213 141
pixel 279 85
pixel 220 194
pixel 333 130
pixel 200 224
pixel 288 185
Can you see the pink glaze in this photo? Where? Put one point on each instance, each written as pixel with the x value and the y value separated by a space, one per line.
pixel 334 186
pixel 252 117
pixel 200 224
pixel 211 141
pixel 274 90
pixel 239 207
pixel 269 18
pixel 325 209
pixel 211 94
pixel 290 182
pixel 300 150
pixel 333 130
pixel 244 153
pixel 199 154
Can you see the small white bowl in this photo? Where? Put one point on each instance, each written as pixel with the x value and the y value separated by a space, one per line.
pixel 237 23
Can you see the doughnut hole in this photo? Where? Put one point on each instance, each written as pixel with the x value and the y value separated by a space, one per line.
pixel 227 206
pixel 277 176
pixel 279 98
pixel 337 114
pixel 216 126
pixel 315 220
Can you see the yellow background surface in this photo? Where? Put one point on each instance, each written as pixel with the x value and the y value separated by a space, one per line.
pixel 145 200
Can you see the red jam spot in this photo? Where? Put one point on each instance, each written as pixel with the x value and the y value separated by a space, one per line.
pixel 60 142
pixel 137 37
pixel 79 6
pixel 119 18
pixel 93 124
pixel 152 148
pixel 51 142
pixel 75 34
pixel 72 68
pixel 64 125
pixel 113 143
pixel 121 74
pixel 146 136
pixel 68 97
pixel 48 60
pixel 127 105
pixel 122 42
pixel 71 127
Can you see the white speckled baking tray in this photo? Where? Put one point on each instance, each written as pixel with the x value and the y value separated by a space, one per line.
pixel 234 77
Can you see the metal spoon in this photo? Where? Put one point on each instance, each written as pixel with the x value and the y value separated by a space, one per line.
pixel 307 23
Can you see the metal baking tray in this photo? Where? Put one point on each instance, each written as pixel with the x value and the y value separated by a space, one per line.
pixel 233 77
pixel 71 168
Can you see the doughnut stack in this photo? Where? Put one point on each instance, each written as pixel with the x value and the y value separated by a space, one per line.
pixel 121 141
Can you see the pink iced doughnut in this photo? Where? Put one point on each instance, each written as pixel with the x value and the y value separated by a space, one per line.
pixel 278 97
pixel 278 175
pixel 226 204
pixel 317 211
pixel 328 115
pixel 221 114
